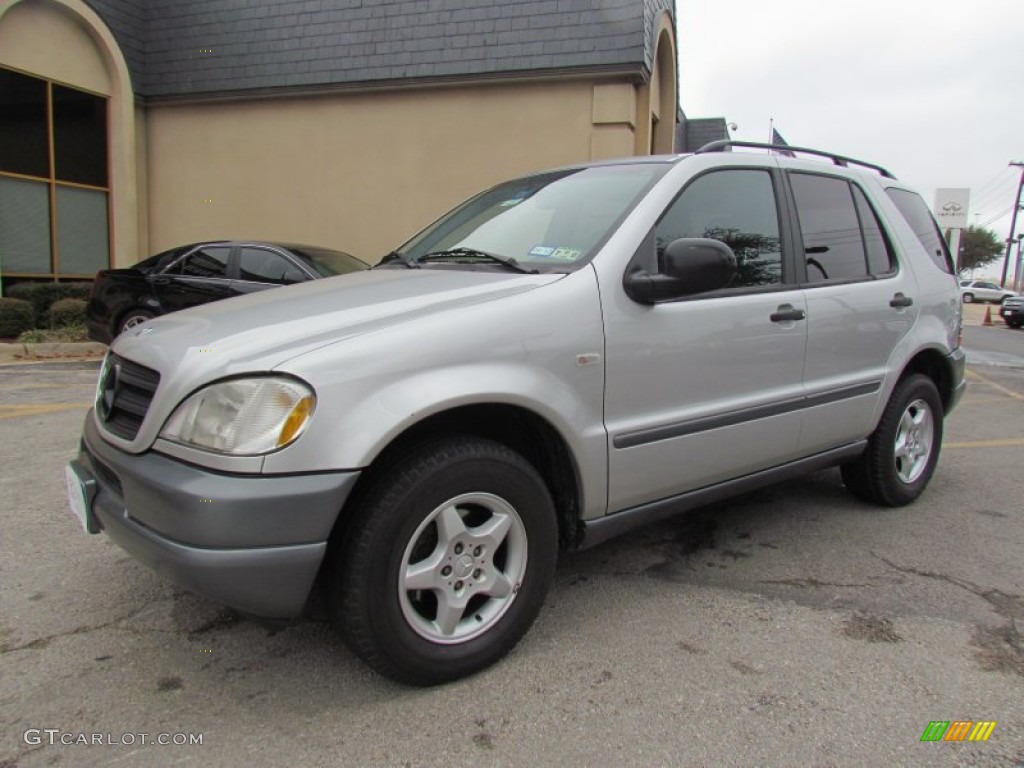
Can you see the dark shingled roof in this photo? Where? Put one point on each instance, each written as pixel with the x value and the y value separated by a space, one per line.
pixel 691 135
pixel 180 48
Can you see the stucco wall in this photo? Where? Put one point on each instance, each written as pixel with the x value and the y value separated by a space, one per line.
pixel 358 172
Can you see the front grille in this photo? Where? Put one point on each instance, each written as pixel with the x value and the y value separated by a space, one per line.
pixel 126 390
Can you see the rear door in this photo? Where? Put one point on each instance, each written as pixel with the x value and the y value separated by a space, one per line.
pixel 860 303
pixel 706 388
pixel 198 277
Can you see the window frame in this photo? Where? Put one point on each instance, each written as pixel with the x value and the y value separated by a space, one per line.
pixel 230 268
pixel 646 256
pixel 52 182
pixel 291 260
pixel 798 235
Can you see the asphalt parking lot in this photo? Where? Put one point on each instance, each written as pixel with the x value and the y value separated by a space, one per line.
pixel 794 626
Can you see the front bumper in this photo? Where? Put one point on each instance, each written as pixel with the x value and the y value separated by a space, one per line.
pixel 252 542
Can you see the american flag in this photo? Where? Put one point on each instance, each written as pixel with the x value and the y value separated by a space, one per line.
pixel 778 141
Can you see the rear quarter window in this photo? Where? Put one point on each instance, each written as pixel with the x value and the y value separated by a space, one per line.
pixel 924 226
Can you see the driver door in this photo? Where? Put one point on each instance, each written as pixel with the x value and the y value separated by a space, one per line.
pixel 707 388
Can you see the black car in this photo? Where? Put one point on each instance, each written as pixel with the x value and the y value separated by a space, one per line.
pixel 201 272
pixel 1012 311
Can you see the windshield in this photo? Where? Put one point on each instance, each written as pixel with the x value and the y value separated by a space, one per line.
pixel 326 262
pixel 551 221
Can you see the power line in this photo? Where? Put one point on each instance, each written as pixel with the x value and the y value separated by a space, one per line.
pixel 999 177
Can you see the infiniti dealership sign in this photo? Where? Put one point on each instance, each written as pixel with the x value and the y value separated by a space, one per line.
pixel 951 207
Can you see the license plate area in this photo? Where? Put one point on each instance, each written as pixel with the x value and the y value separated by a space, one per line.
pixel 80 494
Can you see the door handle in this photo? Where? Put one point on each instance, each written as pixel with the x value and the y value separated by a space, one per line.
pixel 899 301
pixel 786 313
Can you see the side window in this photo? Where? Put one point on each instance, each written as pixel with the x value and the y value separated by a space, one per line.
pixel 263 266
pixel 880 261
pixel 734 206
pixel 205 262
pixel 834 247
pixel 923 224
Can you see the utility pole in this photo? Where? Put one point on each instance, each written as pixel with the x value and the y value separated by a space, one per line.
pixel 1013 220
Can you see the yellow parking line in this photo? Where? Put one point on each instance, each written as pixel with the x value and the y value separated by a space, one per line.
pixel 17 411
pixel 1007 443
pixel 995 385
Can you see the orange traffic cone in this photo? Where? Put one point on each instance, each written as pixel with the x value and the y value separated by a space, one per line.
pixel 988 316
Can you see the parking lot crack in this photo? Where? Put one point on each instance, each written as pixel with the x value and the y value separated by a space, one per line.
pixel 811 583
pixel 42 642
pixel 1008 605
pixel 998 649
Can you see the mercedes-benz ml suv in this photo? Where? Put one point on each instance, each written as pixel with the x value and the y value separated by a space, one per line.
pixel 561 358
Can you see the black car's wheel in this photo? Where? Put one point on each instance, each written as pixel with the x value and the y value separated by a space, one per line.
pixel 447 560
pixel 1014 323
pixel 132 318
pixel 903 450
pixel 968 298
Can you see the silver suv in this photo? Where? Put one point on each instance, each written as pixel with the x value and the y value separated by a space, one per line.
pixel 558 360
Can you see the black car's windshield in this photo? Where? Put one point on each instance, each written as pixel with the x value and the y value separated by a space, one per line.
pixel 552 221
pixel 326 262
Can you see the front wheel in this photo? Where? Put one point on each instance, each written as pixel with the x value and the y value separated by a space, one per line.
pixel 968 298
pixel 904 449
pixel 132 318
pixel 448 558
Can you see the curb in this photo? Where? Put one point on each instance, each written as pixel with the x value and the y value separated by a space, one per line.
pixel 53 350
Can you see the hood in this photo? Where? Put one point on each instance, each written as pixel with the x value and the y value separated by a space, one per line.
pixel 261 331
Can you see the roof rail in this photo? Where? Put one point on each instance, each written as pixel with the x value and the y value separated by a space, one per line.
pixel 724 144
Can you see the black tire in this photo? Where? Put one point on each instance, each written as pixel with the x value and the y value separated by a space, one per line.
pixel 388 625
pixel 968 298
pixel 131 318
pixel 1014 323
pixel 881 476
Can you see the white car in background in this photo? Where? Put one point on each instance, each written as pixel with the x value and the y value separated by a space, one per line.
pixel 983 290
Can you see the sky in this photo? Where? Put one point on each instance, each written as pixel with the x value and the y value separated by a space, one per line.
pixel 932 91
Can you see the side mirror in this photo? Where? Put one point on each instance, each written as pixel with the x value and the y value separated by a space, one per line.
pixel 691 265
pixel 293 275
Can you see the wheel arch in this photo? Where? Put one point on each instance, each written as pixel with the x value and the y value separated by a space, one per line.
pixel 518 428
pixel 934 364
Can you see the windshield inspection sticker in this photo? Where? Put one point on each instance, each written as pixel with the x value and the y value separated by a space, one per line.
pixel 542 250
pixel 566 254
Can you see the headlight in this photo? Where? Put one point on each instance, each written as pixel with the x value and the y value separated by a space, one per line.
pixel 243 417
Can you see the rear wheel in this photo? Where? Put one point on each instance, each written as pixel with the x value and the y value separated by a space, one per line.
pixel 904 449
pixel 448 559
pixel 968 298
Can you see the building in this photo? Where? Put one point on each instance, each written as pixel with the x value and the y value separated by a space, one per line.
pixel 127 127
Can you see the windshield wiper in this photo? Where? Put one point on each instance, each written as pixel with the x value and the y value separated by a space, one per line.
pixel 474 253
pixel 397 256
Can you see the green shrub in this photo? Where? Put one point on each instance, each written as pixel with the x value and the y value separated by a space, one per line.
pixel 15 316
pixel 65 312
pixel 43 295
pixel 66 334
